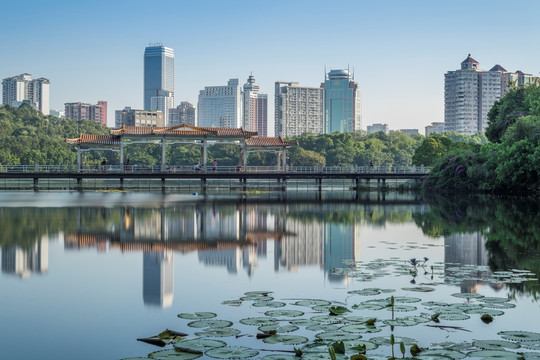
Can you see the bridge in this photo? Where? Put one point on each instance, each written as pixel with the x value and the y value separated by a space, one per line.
pixel 278 177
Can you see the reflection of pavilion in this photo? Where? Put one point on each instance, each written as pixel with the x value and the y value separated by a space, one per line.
pixel 158 278
pixel 22 262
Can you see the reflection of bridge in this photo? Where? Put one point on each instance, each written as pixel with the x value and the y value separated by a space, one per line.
pixel 223 176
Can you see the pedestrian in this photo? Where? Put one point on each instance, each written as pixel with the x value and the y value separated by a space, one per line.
pixel 214 166
pixel 103 164
pixel 128 165
pixel 198 166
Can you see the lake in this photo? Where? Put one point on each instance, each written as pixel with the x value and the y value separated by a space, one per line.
pixel 85 274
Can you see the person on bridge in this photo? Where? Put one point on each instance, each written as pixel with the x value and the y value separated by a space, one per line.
pixel 214 166
pixel 197 166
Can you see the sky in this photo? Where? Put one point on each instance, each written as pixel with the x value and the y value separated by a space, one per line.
pixel 399 49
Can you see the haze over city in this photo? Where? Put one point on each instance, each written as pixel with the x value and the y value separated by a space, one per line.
pixel 399 51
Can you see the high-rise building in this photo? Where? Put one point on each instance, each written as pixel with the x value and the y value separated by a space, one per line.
pixel 469 94
pixel 342 102
pixel 159 78
pixel 298 109
pixel 81 111
pixel 255 108
pixel 410 132
pixel 220 106
pixel 132 117
pixel 371 129
pixel 21 88
pixel 185 113
pixel 435 128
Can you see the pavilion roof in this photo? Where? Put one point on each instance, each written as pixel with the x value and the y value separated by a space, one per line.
pixel 269 142
pixel 95 139
pixel 183 130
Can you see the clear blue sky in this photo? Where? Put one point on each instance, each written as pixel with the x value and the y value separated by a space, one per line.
pixel 399 49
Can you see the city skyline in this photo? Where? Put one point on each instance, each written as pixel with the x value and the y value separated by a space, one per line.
pixel 399 53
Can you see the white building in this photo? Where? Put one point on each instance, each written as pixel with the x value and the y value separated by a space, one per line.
pixel 298 110
pixel 164 102
pixel 434 128
pixel 371 129
pixel 469 94
pixel 19 88
pixel 220 106
pixel 255 108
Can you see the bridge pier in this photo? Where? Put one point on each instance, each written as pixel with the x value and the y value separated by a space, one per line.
pixel 203 185
pixel 283 185
pixel 79 184
pixel 163 184
pixel 244 184
pixel 36 184
pixel 121 183
pixel 319 183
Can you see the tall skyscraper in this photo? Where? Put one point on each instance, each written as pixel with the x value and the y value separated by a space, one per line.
pixel 298 109
pixel 469 94
pixel 255 108
pixel 185 113
pixel 81 111
pixel 22 88
pixel 220 106
pixel 159 79
pixel 342 102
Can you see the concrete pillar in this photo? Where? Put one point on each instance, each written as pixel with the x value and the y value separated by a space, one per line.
pixel 122 183
pixel 163 148
pixel 278 160
pixel 78 159
pixel 122 155
pixel 284 159
pixel 36 184
pixel 163 184
pixel 204 157
pixel 244 155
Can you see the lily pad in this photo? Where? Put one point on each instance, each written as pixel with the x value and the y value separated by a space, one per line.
pixel 210 324
pixel 197 315
pixel 288 313
pixel 272 304
pixel 495 354
pixel 328 319
pixel 407 321
pixel 519 335
pixel 277 328
pixel 258 321
pixel 351 344
pixel 336 336
pixel 385 340
pixel 312 302
pixel 452 354
pixel 405 299
pixel 232 352
pixel 419 289
pixel 495 344
pixel 198 345
pixel 257 293
pixel 453 316
pixel 322 356
pixel 365 292
pixel 285 339
pixel 491 312
pixel 322 327
pixel 172 354
pixel 303 322
pixel 256 298
pixel 402 308
pixel 280 357
pixel 220 332
pixel 468 295
pixel 360 329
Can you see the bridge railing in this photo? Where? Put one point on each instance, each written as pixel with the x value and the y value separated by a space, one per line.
pixel 142 169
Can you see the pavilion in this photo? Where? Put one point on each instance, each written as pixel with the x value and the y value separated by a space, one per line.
pixel 118 139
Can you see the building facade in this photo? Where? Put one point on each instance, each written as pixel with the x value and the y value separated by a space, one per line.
pixel 185 113
pixel 410 132
pixel 19 89
pixel 342 102
pixel 220 106
pixel 469 94
pixel 298 110
pixel 435 128
pixel 132 117
pixel 159 78
pixel 371 129
pixel 81 111
pixel 255 116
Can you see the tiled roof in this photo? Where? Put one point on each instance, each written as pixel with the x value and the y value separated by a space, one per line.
pixel 498 68
pixel 95 139
pixel 182 130
pixel 269 142
pixel 469 59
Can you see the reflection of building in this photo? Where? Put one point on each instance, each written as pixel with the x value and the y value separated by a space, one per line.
pixel 22 262
pixel 158 278
pixel 466 249
pixel 342 242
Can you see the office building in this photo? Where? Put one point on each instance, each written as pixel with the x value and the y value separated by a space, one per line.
pixel 185 113
pixel 82 111
pixel 132 117
pixel 20 89
pixel 255 108
pixel 469 94
pixel 410 131
pixel 371 129
pixel 298 110
pixel 435 128
pixel 57 113
pixel 342 102
pixel 158 78
pixel 220 106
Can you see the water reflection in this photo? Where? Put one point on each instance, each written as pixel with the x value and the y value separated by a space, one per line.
pixel 237 235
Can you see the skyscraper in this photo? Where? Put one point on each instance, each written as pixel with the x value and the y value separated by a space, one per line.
pixel 22 88
pixel 342 102
pixel 220 106
pixel 298 109
pixel 255 108
pixel 469 94
pixel 159 78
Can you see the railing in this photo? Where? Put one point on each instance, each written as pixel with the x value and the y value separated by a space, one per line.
pixel 40 169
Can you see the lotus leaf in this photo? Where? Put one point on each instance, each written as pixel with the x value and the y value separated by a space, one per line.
pixel 285 339
pixel 232 352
